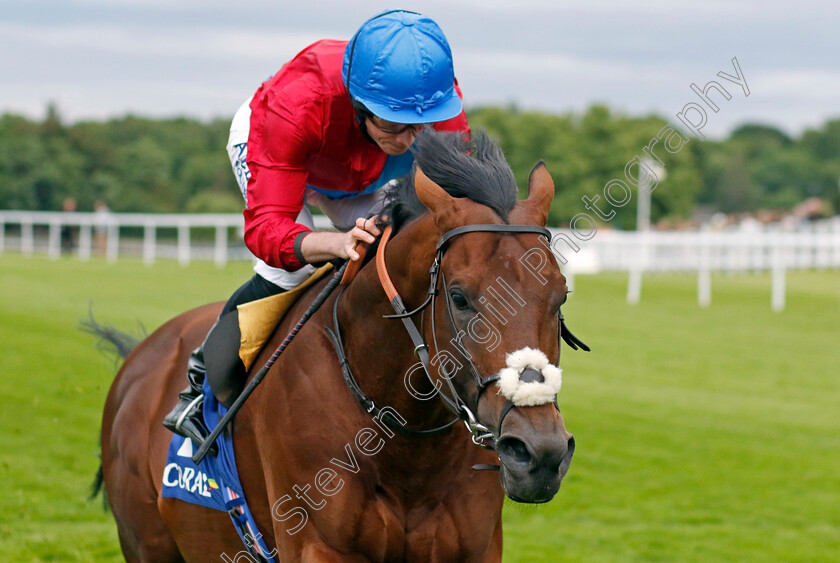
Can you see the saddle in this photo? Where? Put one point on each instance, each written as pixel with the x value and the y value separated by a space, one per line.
pixel 240 335
pixel 258 319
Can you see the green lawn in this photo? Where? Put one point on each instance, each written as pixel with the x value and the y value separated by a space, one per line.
pixel 704 435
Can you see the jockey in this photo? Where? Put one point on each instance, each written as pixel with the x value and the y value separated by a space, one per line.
pixel 330 129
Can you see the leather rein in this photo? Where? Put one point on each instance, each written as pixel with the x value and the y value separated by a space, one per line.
pixel 481 434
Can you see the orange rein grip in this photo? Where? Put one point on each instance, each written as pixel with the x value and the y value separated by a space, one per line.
pixel 353 267
pixel 384 278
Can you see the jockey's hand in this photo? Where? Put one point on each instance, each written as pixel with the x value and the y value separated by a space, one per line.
pixel 364 231
pixel 323 246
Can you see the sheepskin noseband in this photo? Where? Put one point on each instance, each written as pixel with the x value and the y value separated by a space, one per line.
pixel 532 393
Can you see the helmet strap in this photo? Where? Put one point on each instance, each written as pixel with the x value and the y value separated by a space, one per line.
pixel 362 114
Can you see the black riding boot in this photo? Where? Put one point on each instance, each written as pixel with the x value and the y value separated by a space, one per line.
pixel 187 418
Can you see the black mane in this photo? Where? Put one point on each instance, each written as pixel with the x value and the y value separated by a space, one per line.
pixel 482 175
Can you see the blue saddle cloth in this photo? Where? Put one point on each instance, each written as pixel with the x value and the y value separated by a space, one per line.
pixel 214 482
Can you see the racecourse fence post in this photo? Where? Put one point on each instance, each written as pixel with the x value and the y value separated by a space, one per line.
pixel 634 283
pixel 112 250
pixel 835 252
pixel 704 271
pixel 823 252
pixel 27 238
pixel 778 291
pixel 54 241
pixel 149 242
pixel 183 242
pixel 85 241
pixel 221 245
pixel 835 259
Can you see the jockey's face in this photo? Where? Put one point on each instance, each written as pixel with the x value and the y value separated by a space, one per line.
pixel 393 138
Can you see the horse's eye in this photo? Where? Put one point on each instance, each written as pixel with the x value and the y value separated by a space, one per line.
pixel 459 300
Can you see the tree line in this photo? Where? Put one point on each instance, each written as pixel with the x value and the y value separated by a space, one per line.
pixel 136 164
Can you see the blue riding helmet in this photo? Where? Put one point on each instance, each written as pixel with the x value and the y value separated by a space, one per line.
pixel 399 66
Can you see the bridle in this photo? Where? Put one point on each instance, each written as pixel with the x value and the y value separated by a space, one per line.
pixel 481 434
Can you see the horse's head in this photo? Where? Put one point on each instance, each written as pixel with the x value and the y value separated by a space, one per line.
pixel 497 330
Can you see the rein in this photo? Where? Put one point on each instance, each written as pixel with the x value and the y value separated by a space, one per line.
pixel 481 434
pixel 367 403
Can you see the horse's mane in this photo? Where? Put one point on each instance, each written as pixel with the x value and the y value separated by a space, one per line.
pixel 474 169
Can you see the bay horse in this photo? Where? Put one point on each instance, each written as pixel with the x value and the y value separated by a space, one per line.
pixel 325 479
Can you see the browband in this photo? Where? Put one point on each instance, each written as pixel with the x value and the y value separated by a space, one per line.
pixel 492 229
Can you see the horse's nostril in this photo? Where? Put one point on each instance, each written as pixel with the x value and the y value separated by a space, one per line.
pixel 513 450
pixel 567 457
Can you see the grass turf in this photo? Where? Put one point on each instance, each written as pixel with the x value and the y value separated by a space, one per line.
pixel 704 435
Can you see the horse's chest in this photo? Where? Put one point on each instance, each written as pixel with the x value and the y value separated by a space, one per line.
pixel 450 530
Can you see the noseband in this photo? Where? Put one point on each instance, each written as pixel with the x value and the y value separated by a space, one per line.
pixel 481 434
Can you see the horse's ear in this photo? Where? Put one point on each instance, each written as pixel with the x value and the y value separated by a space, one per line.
pixel 432 196
pixel 540 193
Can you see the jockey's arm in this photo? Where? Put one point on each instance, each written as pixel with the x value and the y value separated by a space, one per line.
pixel 320 246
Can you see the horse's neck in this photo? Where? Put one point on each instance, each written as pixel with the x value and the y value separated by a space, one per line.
pixel 379 350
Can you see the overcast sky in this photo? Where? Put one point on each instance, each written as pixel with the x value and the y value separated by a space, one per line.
pixel 201 58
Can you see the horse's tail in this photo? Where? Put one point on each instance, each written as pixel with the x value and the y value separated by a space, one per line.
pixel 110 339
pixel 115 341
pixel 96 488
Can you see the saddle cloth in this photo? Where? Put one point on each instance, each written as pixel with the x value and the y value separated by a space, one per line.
pixel 214 482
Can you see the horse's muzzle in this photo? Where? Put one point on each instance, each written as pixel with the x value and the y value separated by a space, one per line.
pixel 533 468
